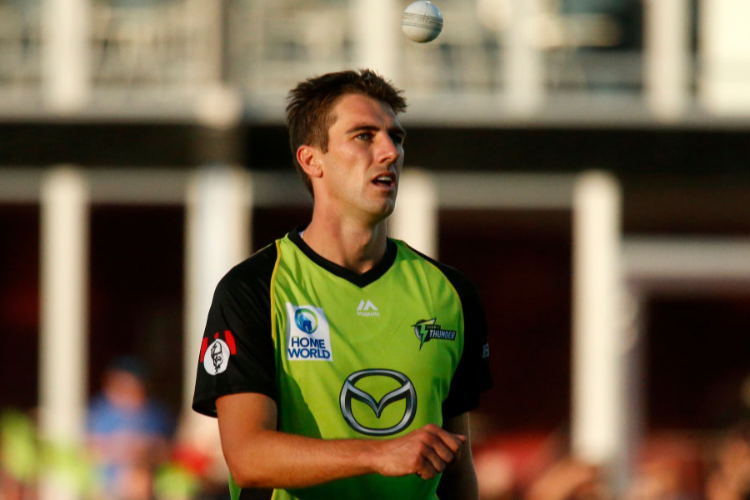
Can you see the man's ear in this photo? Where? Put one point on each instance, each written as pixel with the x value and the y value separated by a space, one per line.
pixel 308 158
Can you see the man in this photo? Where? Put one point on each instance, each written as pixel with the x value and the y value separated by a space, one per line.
pixel 350 361
pixel 128 431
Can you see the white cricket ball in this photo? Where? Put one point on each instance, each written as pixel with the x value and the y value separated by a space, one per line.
pixel 422 22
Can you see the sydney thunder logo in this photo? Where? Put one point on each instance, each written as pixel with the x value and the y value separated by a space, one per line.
pixel 426 330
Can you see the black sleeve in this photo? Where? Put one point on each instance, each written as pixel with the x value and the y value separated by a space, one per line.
pixel 472 375
pixel 237 351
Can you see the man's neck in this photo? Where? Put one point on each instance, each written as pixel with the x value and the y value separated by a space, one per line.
pixel 350 244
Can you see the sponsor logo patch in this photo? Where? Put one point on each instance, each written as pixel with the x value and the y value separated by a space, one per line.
pixel 215 356
pixel 427 329
pixel 306 320
pixel 367 308
pixel 405 392
pixel 308 335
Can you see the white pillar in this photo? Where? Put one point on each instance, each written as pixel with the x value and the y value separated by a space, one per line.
pixel 377 28
pixel 63 361
pixel 415 219
pixel 667 56
pixel 217 233
pixel 597 395
pixel 524 60
pixel 66 71
pixel 725 52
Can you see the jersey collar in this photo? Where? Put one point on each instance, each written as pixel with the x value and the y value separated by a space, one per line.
pixel 360 280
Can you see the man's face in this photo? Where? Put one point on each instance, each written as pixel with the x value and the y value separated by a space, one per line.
pixel 362 166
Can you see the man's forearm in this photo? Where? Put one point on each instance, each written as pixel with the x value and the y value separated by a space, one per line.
pixel 259 456
pixel 273 459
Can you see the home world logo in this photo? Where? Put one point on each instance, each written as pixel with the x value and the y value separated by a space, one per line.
pixel 308 335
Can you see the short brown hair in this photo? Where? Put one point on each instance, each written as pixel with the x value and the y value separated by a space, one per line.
pixel 308 114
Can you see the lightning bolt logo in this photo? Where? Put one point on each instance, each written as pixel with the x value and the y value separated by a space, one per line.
pixel 422 330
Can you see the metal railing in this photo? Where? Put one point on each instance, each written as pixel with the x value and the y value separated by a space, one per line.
pixel 20 44
pixel 180 48
pixel 153 43
pixel 272 44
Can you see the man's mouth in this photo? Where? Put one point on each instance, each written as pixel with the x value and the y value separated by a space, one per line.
pixel 385 180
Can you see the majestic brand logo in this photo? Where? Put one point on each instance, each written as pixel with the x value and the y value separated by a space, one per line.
pixel 427 329
pixel 308 335
pixel 406 392
pixel 215 356
pixel 367 308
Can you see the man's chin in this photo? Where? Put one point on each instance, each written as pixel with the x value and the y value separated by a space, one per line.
pixel 388 208
pixel 377 210
pixel 382 213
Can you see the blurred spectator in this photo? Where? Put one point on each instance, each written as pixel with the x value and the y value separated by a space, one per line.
pixel 657 480
pixel 668 467
pixel 128 432
pixel 570 479
pixel 495 476
pixel 535 466
pixel 731 478
pixel 508 464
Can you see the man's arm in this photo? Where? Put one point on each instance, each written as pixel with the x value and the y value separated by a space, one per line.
pixel 259 456
pixel 460 480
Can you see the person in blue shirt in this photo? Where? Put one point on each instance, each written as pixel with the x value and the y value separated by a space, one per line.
pixel 128 432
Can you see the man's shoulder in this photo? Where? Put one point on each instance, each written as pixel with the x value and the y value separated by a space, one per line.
pixel 253 272
pixel 260 260
pixel 458 279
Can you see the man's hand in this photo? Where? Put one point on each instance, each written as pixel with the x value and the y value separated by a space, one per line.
pixel 426 452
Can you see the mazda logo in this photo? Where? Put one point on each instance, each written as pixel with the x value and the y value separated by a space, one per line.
pixel 350 391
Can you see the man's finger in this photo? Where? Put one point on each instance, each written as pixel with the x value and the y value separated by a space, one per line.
pixel 437 464
pixel 442 449
pixel 452 441
pixel 426 469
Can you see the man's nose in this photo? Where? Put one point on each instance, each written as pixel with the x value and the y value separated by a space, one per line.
pixel 389 150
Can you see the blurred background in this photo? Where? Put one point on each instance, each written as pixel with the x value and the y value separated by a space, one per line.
pixel 585 162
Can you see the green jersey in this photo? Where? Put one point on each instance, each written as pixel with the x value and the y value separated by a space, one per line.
pixel 347 355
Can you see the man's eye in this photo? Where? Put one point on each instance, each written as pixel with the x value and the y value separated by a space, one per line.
pixel 364 136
